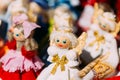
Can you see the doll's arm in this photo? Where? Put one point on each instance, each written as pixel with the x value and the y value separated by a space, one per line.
pixel 52 50
pixel 28 54
pixel 72 58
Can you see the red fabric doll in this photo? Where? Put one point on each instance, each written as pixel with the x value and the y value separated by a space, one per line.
pixel 21 62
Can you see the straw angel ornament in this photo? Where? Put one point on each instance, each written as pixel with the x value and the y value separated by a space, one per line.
pixel 102 47
pixel 63 55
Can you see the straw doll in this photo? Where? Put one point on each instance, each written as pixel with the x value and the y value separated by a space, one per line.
pixel 63 56
pixel 102 47
pixel 21 62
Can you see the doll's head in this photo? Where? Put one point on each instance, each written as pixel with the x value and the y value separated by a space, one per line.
pixel 62 17
pixel 107 22
pixel 23 26
pixel 100 8
pixel 64 40
pixel 18 33
pixel 22 31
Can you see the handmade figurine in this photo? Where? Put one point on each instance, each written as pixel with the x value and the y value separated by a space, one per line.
pixel 63 56
pixel 102 47
pixel 62 20
pixel 117 8
pixel 21 62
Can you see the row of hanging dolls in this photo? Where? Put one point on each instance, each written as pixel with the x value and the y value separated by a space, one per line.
pixel 92 56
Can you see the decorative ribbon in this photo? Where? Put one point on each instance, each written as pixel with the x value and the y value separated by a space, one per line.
pixel 59 62
pixel 99 39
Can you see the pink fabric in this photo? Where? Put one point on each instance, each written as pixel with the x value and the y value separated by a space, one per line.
pixel 20 18
pixel 27 26
pixel 14 61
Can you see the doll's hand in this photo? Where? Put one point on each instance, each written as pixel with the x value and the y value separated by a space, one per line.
pixel 52 50
pixel 72 57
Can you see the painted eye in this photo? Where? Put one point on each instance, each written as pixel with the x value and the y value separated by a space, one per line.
pixel 57 40
pixel 104 26
pixel 17 34
pixel 64 42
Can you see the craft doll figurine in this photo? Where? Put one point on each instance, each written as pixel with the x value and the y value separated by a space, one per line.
pixel 21 62
pixel 63 56
pixel 102 47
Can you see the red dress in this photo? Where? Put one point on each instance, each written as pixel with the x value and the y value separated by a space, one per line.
pixel 20 65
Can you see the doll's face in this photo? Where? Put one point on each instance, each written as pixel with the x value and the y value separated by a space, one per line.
pixel 104 26
pixel 18 34
pixel 107 25
pixel 62 42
